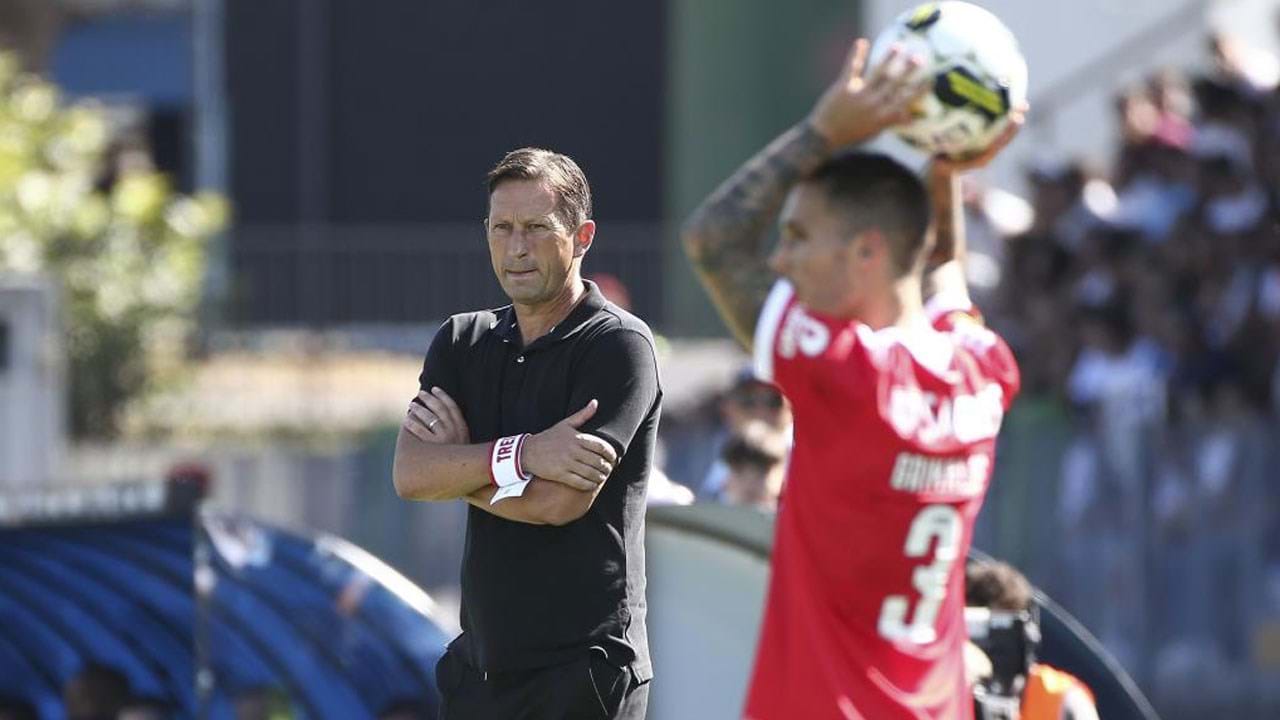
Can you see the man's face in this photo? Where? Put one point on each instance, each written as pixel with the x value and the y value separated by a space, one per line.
pixel 755 486
pixel 753 401
pixel 532 251
pixel 816 252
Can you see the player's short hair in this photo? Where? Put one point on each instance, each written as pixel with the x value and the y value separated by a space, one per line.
pixel 561 174
pixel 996 585
pixel 872 190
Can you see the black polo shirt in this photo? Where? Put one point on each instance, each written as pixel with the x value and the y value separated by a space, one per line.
pixel 535 595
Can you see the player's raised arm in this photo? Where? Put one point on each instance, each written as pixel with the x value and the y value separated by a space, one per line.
pixel 725 236
pixel 946 268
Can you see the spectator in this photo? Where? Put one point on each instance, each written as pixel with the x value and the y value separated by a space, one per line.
pixel 662 490
pixel 1046 692
pixel 755 455
pixel 144 708
pixel 613 289
pixel 97 692
pixel 1149 301
pixel 747 399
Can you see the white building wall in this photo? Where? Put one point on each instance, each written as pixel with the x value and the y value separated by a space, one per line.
pixel 32 382
pixel 1058 38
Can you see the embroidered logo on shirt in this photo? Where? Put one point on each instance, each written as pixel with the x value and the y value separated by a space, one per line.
pixel 800 331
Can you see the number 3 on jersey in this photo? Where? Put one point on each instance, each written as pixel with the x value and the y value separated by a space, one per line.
pixel 943 523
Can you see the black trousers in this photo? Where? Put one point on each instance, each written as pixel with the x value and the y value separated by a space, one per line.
pixel 589 688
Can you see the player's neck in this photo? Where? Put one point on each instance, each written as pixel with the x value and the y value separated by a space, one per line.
pixel 538 320
pixel 899 306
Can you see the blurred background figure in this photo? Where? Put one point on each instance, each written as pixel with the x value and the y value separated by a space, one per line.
pixel 145 709
pixel 97 692
pixel 1009 635
pixel 748 400
pixel 755 458
pixel 613 289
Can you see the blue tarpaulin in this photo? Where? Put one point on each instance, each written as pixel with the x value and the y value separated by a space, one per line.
pixel 315 622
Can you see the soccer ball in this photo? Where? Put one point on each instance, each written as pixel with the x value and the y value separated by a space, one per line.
pixel 979 76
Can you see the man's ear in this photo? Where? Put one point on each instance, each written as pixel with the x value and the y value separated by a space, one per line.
pixel 869 243
pixel 583 237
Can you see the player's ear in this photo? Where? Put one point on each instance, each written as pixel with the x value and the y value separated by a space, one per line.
pixel 868 244
pixel 583 237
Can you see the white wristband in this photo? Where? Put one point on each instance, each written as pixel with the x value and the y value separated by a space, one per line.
pixel 505 469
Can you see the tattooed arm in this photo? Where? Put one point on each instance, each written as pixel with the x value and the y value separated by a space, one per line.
pixel 725 236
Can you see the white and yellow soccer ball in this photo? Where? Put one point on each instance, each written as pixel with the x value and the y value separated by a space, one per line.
pixel 979 76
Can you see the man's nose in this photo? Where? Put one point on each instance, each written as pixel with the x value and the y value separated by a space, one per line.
pixel 519 244
pixel 778 260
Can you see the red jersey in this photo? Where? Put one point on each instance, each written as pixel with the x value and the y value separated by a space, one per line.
pixel 894 442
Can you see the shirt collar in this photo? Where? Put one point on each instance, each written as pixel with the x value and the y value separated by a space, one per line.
pixel 592 302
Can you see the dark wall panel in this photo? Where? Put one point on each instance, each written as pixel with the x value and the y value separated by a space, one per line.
pixel 261 76
pixel 422 97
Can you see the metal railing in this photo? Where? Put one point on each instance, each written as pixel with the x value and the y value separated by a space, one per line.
pixel 1156 538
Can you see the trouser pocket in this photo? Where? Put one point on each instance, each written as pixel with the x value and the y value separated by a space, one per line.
pixel 608 682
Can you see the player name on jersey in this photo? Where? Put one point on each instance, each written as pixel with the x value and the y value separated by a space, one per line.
pixel 939 476
pixel 929 419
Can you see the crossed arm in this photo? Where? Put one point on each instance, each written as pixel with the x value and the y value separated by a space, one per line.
pixel 571 460
pixel 436 461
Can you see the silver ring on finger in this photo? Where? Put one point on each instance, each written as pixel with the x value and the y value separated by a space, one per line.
pixel 431 426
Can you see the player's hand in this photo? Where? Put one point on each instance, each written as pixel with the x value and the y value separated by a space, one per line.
pixel 562 454
pixel 437 420
pixel 945 165
pixel 858 107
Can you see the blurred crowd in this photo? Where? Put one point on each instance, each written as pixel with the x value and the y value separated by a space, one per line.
pixel 733 447
pixel 1146 302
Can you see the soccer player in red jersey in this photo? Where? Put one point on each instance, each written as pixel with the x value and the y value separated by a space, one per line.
pixel 898 391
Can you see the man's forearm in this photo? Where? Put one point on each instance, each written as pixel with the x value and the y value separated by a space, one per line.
pixel 543 503
pixel 948 214
pixel 945 272
pixel 725 236
pixel 429 471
